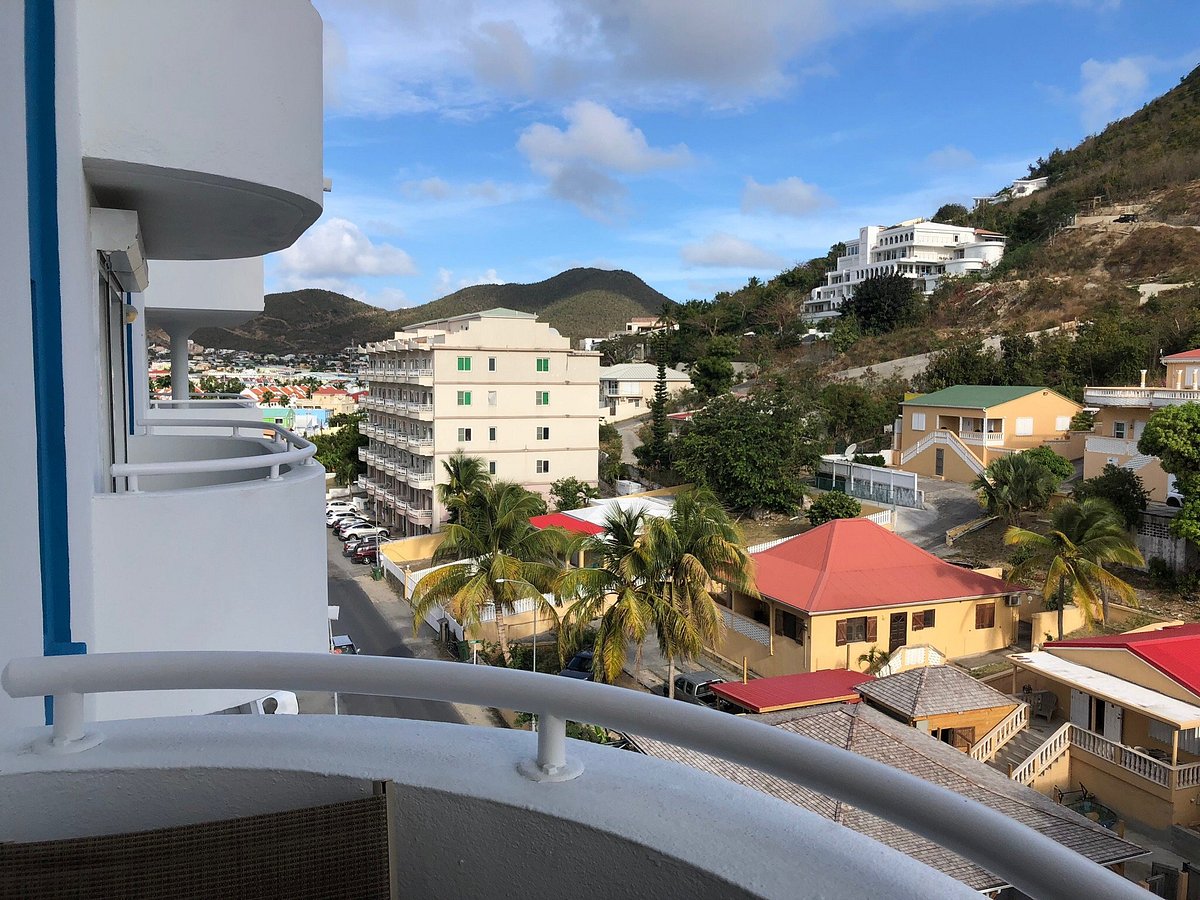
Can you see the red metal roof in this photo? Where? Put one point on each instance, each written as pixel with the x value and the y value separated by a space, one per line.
pixel 851 564
pixel 793 691
pixel 562 520
pixel 1174 650
pixel 1185 355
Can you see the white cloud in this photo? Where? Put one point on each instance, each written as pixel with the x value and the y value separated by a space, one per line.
pixel 466 58
pixel 950 157
pixel 435 189
pixel 1110 90
pixel 447 283
pixel 728 252
pixel 337 248
pixel 577 159
pixel 789 197
pixel 431 188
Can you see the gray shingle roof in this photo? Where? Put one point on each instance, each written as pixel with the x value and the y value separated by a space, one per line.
pixel 870 733
pixel 932 691
pixel 638 372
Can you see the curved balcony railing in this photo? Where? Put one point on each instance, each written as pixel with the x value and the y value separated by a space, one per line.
pixel 288 449
pixel 1030 861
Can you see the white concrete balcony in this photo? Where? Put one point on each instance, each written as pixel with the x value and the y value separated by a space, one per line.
pixel 1148 397
pixel 365 455
pixel 419 479
pixel 170 556
pixel 620 818
pixel 420 516
pixel 1109 446
pixel 982 438
pixel 241 174
pixel 423 412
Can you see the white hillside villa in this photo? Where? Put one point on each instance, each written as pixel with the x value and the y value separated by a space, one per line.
pixel 916 249
pixel 1022 187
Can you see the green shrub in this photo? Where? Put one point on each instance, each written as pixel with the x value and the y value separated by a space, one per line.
pixel 1061 468
pixel 833 505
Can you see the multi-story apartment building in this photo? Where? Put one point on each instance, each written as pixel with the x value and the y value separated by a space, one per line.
pixel 136 201
pixel 920 250
pixel 497 384
pixel 1122 414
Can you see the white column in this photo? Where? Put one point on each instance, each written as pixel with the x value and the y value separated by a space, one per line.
pixel 179 361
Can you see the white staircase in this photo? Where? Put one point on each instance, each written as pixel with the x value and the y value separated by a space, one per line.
pixel 944 439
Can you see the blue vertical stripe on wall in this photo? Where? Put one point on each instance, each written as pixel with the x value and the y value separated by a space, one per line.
pixel 46 296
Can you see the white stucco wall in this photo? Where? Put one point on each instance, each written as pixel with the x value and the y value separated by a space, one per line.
pixel 20 601
pixel 235 567
pixel 204 292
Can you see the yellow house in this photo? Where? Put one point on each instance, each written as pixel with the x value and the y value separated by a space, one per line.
pixel 1131 704
pixel 836 592
pixel 1122 414
pixel 954 433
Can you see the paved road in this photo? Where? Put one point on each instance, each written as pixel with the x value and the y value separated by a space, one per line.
pixel 629 438
pixel 373 635
pixel 947 504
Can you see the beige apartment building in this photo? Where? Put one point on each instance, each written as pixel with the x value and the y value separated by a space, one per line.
pixel 1122 414
pixel 627 389
pixel 496 384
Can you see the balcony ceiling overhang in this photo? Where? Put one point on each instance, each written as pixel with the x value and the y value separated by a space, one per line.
pixel 197 215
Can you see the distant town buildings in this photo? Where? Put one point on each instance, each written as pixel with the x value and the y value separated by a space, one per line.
pixel 499 385
pixel 920 250
pixel 627 389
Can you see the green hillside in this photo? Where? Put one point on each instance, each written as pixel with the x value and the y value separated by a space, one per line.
pixel 578 302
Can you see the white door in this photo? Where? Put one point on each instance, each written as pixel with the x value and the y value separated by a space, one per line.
pixel 1081 706
pixel 1112 722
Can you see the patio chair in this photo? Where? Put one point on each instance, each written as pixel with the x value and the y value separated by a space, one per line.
pixel 1044 704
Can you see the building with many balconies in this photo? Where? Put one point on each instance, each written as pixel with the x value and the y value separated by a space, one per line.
pixel 918 250
pixel 499 385
pixel 138 201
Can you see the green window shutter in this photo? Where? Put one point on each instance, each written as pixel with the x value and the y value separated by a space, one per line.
pixel 464 364
pixel 543 364
pixel 464 398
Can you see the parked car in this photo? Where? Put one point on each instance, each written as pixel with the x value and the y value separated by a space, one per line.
pixel 696 687
pixel 338 504
pixel 580 667
pixel 338 519
pixel 361 531
pixel 365 555
pixel 341 643
pixel 345 525
pixel 348 547
pixel 1126 219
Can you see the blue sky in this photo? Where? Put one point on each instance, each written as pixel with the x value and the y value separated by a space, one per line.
pixel 692 142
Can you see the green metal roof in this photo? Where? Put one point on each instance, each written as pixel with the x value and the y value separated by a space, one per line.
pixel 973 396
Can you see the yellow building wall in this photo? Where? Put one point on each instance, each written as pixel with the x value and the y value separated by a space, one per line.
pixel 982 720
pixel 954 467
pixel 1135 418
pixel 954 634
pixel 1045 407
pixel 1183 375
pixel 1122 664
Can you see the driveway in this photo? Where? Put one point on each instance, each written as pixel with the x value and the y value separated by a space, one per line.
pixel 947 503
pixel 629 438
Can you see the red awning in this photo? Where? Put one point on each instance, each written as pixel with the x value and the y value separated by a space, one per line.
pixel 793 691
pixel 562 520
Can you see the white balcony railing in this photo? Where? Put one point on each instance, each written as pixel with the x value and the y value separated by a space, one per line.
pixel 1139 396
pixel 1031 862
pixel 206 402
pixel 1138 763
pixel 1110 446
pixel 985 438
pixel 287 449
pixel 755 631
pixel 1004 730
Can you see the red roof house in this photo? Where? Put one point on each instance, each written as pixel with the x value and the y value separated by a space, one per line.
pixel 853 564
pixel 1185 356
pixel 1174 651
pixel 764 695
pixel 562 520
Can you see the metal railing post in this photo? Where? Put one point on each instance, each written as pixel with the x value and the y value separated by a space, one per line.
pixel 551 763
pixel 67 734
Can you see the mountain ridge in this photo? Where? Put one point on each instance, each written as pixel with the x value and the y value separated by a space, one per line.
pixel 580 302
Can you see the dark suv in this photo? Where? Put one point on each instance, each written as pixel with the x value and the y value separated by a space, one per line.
pixel 580 667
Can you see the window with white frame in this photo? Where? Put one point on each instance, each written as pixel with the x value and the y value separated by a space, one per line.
pixel 1118 429
pixel 491 398
pixel 1024 425
pixel 918 421
pixel 492 433
pixel 543 466
pixel 492 467
pixel 1062 423
pixel 543 433
pixel 464 434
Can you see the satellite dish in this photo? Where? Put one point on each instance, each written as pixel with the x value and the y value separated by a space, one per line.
pixel 850 451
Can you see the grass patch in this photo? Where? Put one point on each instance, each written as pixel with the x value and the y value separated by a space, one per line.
pixel 990 669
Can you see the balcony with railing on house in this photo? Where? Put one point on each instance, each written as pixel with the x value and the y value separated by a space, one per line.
pixel 1151 397
pixel 420 785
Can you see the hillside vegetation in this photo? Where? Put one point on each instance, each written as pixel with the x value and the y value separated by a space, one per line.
pixel 578 302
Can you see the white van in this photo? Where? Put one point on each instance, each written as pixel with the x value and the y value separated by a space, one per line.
pixel 280 703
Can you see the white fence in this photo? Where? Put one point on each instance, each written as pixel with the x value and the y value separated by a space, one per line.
pixel 875 484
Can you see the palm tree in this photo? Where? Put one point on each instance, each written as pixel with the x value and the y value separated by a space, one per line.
pixel 699 545
pixel 465 475
pixel 658 573
pixel 874 660
pixel 628 572
pixel 1013 484
pixel 499 558
pixel 1082 538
